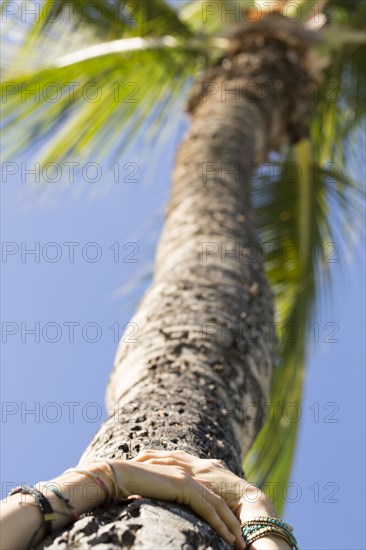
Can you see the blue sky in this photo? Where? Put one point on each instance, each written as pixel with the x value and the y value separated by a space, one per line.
pixel 78 305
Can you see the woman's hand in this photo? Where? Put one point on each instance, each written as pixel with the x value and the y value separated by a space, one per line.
pixel 175 483
pixel 244 499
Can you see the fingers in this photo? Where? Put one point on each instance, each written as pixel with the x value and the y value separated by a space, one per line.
pixel 168 461
pixel 229 518
pixel 211 473
pixel 214 510
pixel 198 464
pixel 165 460
pixel 149 454
pixel 155 479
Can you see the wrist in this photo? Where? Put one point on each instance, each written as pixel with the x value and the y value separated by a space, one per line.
pixel 265 531
pixel 270 543
pixel 83 492
pixel 254 502
pixel 99 469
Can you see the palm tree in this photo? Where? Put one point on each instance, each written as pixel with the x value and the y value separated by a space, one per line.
pixel 242 237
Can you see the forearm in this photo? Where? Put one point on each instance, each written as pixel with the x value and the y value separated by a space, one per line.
pixel 21 510
pixel 270 543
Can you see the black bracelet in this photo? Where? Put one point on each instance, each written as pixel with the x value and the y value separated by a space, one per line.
pixel 65 500
pixel 48 515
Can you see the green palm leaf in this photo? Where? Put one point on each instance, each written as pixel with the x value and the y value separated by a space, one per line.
pixel 102 96
pixel 84 103
pixel 341 99
pixel 110 20
pixel 302 212
pixel 295 212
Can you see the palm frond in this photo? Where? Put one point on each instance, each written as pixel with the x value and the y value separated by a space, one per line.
pixel 61 27
pixel 129 78
pixel 321 211
pixel 112 19
pixel 298 227
pixel 216 16
pixel 340 102
pixel 74 108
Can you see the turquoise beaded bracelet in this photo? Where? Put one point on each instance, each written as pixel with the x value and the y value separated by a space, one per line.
pixel 262 526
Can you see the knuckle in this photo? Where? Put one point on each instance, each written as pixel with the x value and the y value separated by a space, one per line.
pixel 176 452
pixel 145 452
pixel 218 500
pixel 210 508
pixel 215 463
pixel 167 460
pixel 262 499
pixel 181 474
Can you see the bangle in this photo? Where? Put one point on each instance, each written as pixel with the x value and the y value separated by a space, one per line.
pixel 268 531
pixel 114 479
pixel 65 500
pixel 262 526
pixel 95 477
pixel 44 506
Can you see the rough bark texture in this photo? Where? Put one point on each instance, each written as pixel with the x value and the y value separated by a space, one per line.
pixel 205 342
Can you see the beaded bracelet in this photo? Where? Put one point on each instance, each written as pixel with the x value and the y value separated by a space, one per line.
pixel 262 526
pixel 48 515
pixel 65 500
pixel 268 531
pixel 269 520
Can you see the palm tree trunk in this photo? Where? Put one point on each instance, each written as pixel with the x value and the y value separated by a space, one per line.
pixel 199 376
